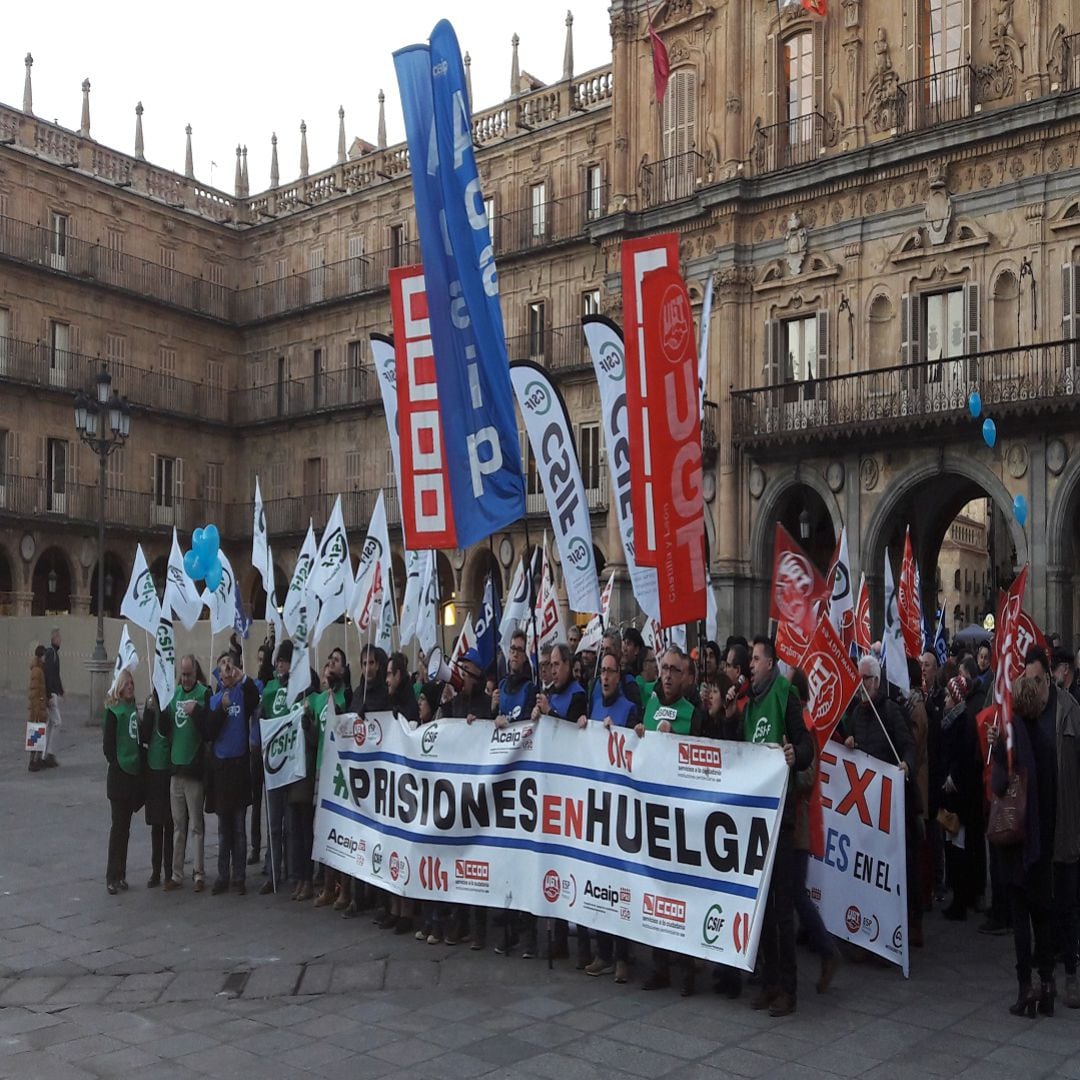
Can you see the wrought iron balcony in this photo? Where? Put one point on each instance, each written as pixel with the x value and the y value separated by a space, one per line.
pixel 289 516
pixel 559 348
pixel 671 179
pixel 932 393
pixel 936 99
pixel 555 221
pixel 294 398
pixel 791 142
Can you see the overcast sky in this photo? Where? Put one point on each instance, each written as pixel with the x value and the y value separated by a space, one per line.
pixel 239 71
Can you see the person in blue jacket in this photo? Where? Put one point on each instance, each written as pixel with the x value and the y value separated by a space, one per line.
pixel 515 695
pixel 609 703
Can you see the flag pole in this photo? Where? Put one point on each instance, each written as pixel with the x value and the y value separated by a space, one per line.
pixel 899 760
pixel 531 599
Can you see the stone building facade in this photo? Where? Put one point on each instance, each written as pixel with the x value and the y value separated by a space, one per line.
pixel 887 199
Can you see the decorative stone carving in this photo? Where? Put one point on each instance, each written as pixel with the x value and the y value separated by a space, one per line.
pixel 1056 456
pixel 623 26
pixel 884 99
pixel 1016 460
pixel 851 13
pixel 795 243
pixel 870 473
pixel 1057 57
pixel 939 208
pixel 834 476
pixel 757 481
pixel 998 78
pixel 734 104
pixel 734 278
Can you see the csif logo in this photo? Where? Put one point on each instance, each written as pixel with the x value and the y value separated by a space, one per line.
pixel 712 925
pixel 537 399
pixel 578 552
pixel 427 741
pixel 618 756
pixel 611 361
pixel 279 746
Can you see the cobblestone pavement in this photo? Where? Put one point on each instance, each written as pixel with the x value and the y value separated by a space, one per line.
pixel 185 985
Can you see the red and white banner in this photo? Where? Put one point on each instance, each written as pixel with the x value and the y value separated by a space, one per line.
pixel 674 440
pixel 1012 638
pixel 910 602
pixel 860 882
pixel 832 678
pixel 799 595
pixel 426 511
pixel 841 598
pixel 639 257
pixel 863 637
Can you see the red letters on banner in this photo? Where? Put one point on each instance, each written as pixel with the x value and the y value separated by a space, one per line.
pixel 674 436
pixel 799 596
pixel 427 514
pixel 832 678
pixel 638 258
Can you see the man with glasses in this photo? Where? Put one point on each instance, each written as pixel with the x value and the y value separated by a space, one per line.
pixel 669 709
pixel 182 722
pixel 515 697
pixel 565 698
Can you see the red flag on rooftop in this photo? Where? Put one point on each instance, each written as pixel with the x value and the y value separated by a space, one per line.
pixel 661 64
pixel 815 7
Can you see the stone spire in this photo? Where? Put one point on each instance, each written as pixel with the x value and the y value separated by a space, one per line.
pixel 275 175
pixel 568 50
pixel 515 70
pixel 341 135
pixel 244 175
pixel 139 149
pixel 468 78
pixel 84 121
pixel 238 178
pixel 28 90
pixel 303 150
pixel 189 164
pixel 382 121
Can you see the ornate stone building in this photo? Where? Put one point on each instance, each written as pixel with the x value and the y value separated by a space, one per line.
pixel 887 198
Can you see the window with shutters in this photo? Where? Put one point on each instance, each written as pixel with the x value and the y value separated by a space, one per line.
pixel 56 475
pixel 799 87
pixel 215 375
pixel 1070 314
pixel 356 263
pixel 316 274
pixel 796 358
pixel 317 370
pixel 59 229
pixel 277 480
pixel 678 129
pixel 589 457
pixel 212 487
pixel 60 358
pixel 800 361
pixel 5 338
pixel 281 272
pixel 537 329
pixel 354 470
pixel 397 245
pixel 217 286
pixel 937 330
pixel 594 192
pixel 167 369
pixel 489 214
pixel 114 253
pixel 538 211
pixel 164 482
pixel 590 302
pixel 354 365
pixel 282 385
pixel 115 349
pixel 167 273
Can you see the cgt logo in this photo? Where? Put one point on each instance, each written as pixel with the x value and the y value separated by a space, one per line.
pixel 713 924
pixel 365 731
pixel 618 756
pixel 740 932
pixel 432 875
pixel 664 909
pixel 399 868
pixel 700 757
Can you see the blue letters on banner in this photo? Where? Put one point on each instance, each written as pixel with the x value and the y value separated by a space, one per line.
pixel 476 401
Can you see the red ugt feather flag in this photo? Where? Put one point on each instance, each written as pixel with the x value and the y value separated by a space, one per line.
pixel 799 596
pixel 1006 630
pixel 863 637
pixel 661 64
pixel 910 602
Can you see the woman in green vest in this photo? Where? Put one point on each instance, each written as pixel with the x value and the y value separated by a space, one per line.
pixel 157 778
pixel 123 786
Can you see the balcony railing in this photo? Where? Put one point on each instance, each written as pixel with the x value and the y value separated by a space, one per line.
pixel 937 99
pixel 290 516
pixel 596 496
pixel 671 179
pixel 930 393
pixel 560 348
pixel 552 222
pixel 67 255
pixel 292 398
pixel 792 142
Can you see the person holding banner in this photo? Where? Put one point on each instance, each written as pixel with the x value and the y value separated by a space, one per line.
pixel 182 725
pixel 609 703
pixel 515 696
pixel 668 708
pixel 331 701
pixel 123 786
pixel 228 777
pixel 565 698
pixel 156 778
pixel 471 701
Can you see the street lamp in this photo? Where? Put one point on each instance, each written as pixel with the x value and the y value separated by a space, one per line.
pixel 804 525
pixel 103 422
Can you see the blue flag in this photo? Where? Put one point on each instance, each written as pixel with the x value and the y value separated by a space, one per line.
pixel 476 402
pixel 940 645
pixel 486 626
pixel 241 622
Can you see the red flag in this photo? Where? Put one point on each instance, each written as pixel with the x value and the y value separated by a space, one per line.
pixel 1010 632
pixel 909 602
pixel 863 638
pixel 832 678
pixel 661 64
pixel 638 258
pixel 815 7
pixel 799 596
pixel 674 429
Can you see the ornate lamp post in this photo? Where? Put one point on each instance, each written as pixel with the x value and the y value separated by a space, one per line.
pixel 103 422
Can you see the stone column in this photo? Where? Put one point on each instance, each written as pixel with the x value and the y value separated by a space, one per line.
pixel 80 604
pixel 733 121
pixel 623 29
pixel 24 602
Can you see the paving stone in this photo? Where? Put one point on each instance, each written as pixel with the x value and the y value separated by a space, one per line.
pixel 193 986
pixel 272 980
pixel 346 979
pixel 316 979
pixel 85 988
pixel 32 990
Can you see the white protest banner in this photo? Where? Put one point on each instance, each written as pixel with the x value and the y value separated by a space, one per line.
pixel 284 759
pixel 141 605
pixel 181 596
pixel 127 659
pixel 860 883
pixel 330 581
pixel 665 840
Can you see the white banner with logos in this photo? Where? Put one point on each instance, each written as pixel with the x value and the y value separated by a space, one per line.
pixel 284 758
pixel 860 883
pixel 664 840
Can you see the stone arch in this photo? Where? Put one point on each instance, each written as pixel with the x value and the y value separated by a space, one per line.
pixel 1004 307
pixel 52 594
pixel 1062 551
pixel 880 322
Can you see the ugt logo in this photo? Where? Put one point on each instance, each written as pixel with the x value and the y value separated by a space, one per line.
pixel 618 756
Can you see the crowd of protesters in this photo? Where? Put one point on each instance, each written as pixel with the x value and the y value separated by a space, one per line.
pixel 201 753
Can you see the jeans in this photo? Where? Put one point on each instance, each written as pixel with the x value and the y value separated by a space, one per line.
pixel 301 833
pixel 186 799
pixel 1066 876
pixel 778 929
pixel 1030 913
pixel 256 801
pixel 232 846
pixel 277 807
pixel 809 917
pixel 119 834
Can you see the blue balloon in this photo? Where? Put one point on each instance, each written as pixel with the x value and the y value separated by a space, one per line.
pixel 212 539
pixel 989 432
pixel 197 540
pixel 193 566
pixel 1020 509
pixel 975 404
pixel 213 576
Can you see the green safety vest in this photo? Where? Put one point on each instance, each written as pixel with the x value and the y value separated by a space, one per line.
pixel 186 740
pixel 273 699
pixel 646 688
pixel 317 702
pixel 764 719
pixel 127 737
pixel 157 754
pixel 678 715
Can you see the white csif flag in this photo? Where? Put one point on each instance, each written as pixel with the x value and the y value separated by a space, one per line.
pixel 222 601
pixel 141 604
pixel 297 595
pixel 127 659
pixel 892 644
pixel 516 608
pixel 164 674
pixel 331 577
pixel 263 561
pixel 181 599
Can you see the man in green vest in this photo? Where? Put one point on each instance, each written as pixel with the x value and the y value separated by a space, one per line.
pixel 183 724
pixel 773 715
pixel 274 704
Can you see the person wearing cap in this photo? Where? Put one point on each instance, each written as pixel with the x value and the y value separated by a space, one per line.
pixel 515 696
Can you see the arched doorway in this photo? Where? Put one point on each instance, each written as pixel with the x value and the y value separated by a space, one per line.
pixel 114 586
pixel 1063 557
pixel 7 586
pixel 51 583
